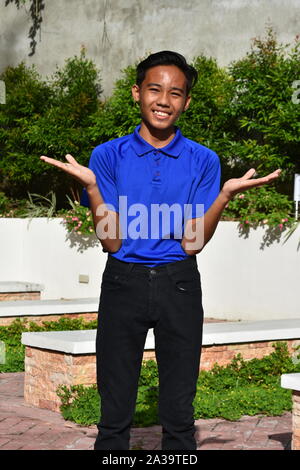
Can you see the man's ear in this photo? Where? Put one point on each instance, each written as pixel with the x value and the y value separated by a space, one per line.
pixel 135 91
pixel 187 103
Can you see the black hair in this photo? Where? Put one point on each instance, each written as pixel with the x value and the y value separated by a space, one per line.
pixel 167 58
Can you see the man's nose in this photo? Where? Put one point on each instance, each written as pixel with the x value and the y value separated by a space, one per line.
pixel 163 100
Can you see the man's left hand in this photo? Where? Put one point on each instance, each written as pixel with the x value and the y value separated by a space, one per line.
pixel 239 185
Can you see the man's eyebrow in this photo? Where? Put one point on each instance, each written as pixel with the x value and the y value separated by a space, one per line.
pixel 153 84
pixel 172 88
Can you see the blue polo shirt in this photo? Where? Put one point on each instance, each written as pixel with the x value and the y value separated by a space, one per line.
pixel 155 191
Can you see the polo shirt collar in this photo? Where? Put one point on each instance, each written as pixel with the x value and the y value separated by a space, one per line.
pixel 141 147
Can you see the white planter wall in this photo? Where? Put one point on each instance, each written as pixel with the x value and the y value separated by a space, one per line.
pixel 240 281
pixel 37 250
pixel 243 281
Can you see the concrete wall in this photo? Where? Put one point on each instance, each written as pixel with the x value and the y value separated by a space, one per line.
pixel 40 249
pixel 240 281
pixel 118 32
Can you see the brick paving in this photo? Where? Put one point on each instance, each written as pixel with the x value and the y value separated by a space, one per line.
pixel 24 427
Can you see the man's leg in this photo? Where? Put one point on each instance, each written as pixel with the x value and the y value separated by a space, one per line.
pixel 120 343
pixel 178 339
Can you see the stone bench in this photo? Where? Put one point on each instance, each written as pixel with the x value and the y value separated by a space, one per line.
pixel 48 310
pixel 15 290
pixel 68 357
pixel 292 382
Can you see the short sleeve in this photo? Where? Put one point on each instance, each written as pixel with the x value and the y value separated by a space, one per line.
pixel 206 187
pixel 103 167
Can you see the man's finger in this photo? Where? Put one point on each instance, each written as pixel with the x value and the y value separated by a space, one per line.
pixel 57 163
pixel 71 159
pixel 248 174
pixel 270 177
pixel 261 181
pixel 50 160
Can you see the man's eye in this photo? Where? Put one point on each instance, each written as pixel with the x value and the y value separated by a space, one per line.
pixel 154 89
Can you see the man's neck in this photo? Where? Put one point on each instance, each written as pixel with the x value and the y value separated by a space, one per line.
pixel 156 137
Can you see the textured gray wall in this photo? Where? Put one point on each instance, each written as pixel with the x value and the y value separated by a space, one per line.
pixel 118 32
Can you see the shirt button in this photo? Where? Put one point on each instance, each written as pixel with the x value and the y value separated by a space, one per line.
pixel 157 173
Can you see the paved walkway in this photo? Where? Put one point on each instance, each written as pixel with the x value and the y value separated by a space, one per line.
pixel 24 427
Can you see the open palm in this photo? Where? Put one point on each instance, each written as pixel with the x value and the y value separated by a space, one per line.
pixel 84 175
pixel 238 185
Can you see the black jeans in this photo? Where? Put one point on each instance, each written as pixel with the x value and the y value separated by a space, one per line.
pixel 134 298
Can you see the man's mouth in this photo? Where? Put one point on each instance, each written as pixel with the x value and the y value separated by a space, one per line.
pixel 161 114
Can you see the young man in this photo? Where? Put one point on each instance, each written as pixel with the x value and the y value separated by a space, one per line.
pixel 151 278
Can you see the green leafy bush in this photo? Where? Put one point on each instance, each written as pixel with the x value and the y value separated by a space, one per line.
pixel 261 206
pixel 11 336
pixel 206 121
pixel 78 219
pixel 27 98
pixel 263 107
pixel 78 404
pixel 4 203
pixel 46 117
pixel 118 115
pixel 229 392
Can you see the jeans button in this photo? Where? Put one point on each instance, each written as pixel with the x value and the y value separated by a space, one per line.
pixel 152 271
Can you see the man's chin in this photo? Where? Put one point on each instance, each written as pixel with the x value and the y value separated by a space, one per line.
pixel 160 125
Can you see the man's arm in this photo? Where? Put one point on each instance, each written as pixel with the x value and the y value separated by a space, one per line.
pixel 103 217
pixel 199 231
pixel 106 222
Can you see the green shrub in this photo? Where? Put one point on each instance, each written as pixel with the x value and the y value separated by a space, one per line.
pixel 79 404
pixel 27 98
pixel 46 118
pixel 4 204
pixel 118 115
pixel 263 108
pixel 206 120
pixel 11 336
pixel 78 219
pixel 261 206
pixel 265 121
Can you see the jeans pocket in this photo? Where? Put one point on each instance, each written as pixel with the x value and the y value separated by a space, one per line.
pixel 187 281
pixel 113 280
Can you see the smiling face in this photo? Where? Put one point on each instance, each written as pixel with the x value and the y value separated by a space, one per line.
pixel 162 98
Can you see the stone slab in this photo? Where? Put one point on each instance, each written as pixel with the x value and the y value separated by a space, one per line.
pixel 72 342
pixel 291 381
pixel 83 341
pixel 16 286
pixel 15 308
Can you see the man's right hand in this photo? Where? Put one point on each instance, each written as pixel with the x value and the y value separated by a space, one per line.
pixel 87 178
pixel 84 175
